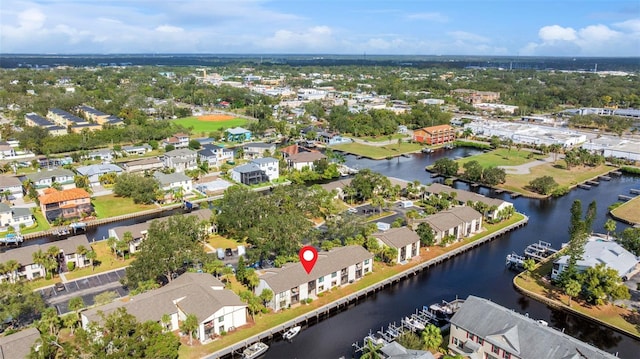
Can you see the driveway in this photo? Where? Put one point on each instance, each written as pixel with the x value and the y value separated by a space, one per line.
pixel 87 288
pixel 525 168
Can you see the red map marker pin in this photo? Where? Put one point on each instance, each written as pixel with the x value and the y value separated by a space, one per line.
pixel 308 257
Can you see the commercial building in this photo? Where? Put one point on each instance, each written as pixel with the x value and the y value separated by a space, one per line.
pixel 435 135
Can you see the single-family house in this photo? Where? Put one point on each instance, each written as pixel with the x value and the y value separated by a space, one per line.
pixel 29 270
pixel 66 204
pixel 403 239
pixel 172 181
pixel 249 174
pixel 237 134
pixel 269 165
pixel 214 156
pixel 94 172
pixel 291 284
pixel 331 138
pixel 140 150
pixel 435 135
pixel 394 350
pixel 180 160
pixel 143 164
pixel 218 310
pixel 463 197
pixel 11 185
pixel 45 179
pixel 18 345
pixel 599 250
pixel 299 157
pixel 104 155
pixel 212 185
pixel 6 151
pixel 14 217
pixel 258 149
pixel 179 140
pixel 459 222
pixel 483 329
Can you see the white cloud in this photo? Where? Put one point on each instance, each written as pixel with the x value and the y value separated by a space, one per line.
pixel 557 32
pixel 429 16
pixel 169 29
pixel 591 40
pixel 317 38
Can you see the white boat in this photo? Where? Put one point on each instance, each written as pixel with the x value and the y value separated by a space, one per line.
pixel 414 323
pixel 255 350
pixel 289 334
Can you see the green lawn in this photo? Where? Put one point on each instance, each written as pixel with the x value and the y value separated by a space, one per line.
pixel 629 211
pixel 501 157
pixel 105 261
pixel 41 223
pixel 378 152
pixel 558 171
pixel 203 127
pixel 111 206
pixel 384 138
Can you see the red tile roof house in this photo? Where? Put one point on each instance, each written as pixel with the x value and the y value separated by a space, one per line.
pixel 66 204
pixel 179 140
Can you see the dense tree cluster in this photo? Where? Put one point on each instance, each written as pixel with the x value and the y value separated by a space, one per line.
pixel 543 185
pixel 630 240
pixel 19 305
pixel 275 224
pixel 140 188
pixel 446 166
pixel 490 176
pixel 171 246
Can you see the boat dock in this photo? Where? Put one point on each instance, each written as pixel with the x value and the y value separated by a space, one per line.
pixel 604 178
pixel 584 186
pixel 514 261
pixel 12 238
pixel 634 191
pixel 625 198
pixel 539 251
pixel 437 314
pixel 592 183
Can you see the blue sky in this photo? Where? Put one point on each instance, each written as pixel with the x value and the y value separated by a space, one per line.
pixel 394 27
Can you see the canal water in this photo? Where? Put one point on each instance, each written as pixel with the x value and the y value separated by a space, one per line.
pixel 479 272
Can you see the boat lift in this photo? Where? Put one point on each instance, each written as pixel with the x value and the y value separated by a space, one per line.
pixel 12 238
pixel 539 251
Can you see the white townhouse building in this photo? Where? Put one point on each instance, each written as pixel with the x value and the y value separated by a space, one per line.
pixel 217 309
pixel 463 197
pixel 405 240
pixel 180 160
pixel 29 270
pixel 459 222
pixel 46 178
pixel 337 267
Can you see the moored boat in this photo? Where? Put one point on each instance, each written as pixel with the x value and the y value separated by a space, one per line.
pixel 255 350
pixel 289 334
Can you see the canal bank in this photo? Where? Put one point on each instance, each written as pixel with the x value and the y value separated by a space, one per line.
pixel 335 307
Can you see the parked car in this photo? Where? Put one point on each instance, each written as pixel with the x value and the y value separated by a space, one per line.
pixel 228 252
pixel 60 287
pixel 352 210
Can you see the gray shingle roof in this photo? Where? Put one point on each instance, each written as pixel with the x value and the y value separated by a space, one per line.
pixel 463 196
pixel 247 168
pixel 448 219
pixel 518 334
pixel 180 152
pixel 98 169
pixel 56 172
pixel 9 181
pixel 198 295
pixel 24 255
pixel 305 157
pixel 169 178
pixel 611 254
pixel 398 237
pixel 18 345
pixel 293 275
pixel 264 160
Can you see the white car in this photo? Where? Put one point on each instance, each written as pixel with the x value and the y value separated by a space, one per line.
pixel 352 210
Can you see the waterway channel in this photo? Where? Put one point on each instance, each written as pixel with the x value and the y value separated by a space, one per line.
pixel 479 272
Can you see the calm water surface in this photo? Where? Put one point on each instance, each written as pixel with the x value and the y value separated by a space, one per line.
pixel 480 272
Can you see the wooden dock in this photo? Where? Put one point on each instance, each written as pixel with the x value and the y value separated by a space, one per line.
pixel 625 198
pixel 592 183
pixel 584 186
pixel 634 191
pixel 343 304
pixel 604 178
pixel 616 173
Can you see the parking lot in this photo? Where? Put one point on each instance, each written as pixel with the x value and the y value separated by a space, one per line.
pixel 87 288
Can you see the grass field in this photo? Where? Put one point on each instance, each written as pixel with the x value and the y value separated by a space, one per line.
pixel 562 176
pixel 378 152
pixel 629 211
pixel 111 206
pixel 384 138
pixel 203 127
pixel 502 157
pixel 105 261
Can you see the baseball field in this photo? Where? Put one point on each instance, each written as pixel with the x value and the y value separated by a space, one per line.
pixel 209 123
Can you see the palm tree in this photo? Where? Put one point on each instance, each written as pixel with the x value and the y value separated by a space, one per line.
pixel 39 257
pixel 165 321
pixel 432 337
pixel 370 350
pixel 189 326
pixel 610 226
pixel 91 256
pixel 572 289
pixel 11 267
